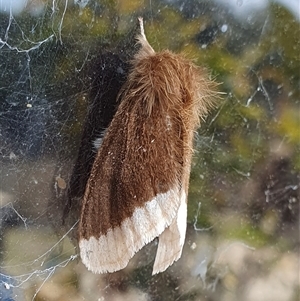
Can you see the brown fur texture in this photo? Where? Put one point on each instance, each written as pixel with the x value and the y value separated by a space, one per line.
pixel 147 148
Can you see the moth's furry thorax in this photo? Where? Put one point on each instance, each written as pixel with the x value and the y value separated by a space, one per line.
pixel 171 82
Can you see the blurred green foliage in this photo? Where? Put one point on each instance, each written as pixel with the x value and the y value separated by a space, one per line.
pixel 257 65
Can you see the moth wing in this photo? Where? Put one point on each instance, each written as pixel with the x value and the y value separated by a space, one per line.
pixel 134 190
pixel 171 241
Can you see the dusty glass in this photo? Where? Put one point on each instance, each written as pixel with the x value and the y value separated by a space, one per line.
pixel 58 57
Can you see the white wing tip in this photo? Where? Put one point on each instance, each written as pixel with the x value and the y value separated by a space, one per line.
pixel 111 252
pixel 161 265
pixel 171 241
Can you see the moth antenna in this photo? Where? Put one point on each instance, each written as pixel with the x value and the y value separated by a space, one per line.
pixel 141 22
pixel 146 49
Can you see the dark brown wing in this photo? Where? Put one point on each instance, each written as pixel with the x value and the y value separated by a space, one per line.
pixel 134 189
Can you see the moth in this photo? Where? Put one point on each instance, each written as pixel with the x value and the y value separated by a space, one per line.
pixel 138 185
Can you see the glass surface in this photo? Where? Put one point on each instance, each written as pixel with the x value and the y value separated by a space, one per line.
pixel 57 57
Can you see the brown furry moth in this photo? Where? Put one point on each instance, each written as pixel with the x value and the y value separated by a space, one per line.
pixel 138 186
